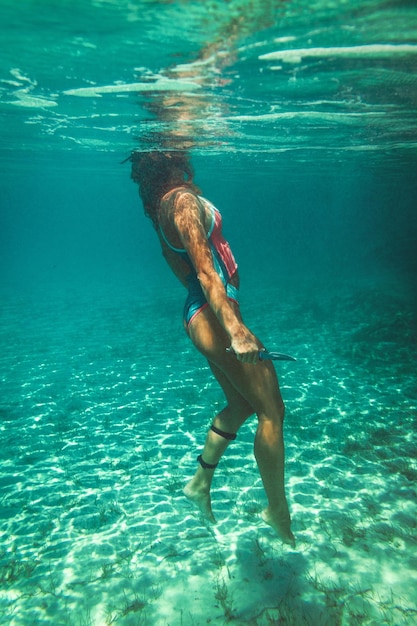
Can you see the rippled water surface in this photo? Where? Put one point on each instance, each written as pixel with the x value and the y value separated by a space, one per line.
pixel 268 76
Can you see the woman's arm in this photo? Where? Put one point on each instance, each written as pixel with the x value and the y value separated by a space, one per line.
pixel 188 219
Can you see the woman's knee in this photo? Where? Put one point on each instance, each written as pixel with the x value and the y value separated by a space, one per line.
pixel 274 415
pixel 244 414
pixel 234 415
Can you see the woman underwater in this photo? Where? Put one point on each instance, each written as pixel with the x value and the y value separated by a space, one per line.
pixel 189 229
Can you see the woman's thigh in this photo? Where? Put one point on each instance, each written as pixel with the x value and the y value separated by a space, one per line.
pixel 257 384
pixel 239 407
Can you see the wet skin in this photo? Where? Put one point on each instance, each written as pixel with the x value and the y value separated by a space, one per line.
pixel 250 385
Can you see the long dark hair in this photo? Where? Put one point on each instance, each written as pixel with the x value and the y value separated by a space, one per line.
pixel 158 172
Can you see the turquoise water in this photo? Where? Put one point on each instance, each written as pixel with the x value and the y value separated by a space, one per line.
pixel 301 121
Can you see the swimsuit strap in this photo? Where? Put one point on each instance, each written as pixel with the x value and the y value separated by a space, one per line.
pixel 161 230
pixel 213 219
pixel 210 231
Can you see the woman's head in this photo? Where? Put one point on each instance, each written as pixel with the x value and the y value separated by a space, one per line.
pixel 158 172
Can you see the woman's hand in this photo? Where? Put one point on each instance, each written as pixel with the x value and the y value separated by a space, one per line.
pixel 245 347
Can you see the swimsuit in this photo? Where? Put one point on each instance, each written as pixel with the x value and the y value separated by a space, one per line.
pixel 223 261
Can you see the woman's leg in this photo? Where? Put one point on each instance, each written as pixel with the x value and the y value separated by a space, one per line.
pixel 258 386
pixel 226 424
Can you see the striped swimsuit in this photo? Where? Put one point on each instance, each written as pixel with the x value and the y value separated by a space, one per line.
pixel 223 261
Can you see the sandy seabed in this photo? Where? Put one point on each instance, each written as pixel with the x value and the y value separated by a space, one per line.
pixel 104 408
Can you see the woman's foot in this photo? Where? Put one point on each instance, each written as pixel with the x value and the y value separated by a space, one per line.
pixel 201 498
pixel 281 523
